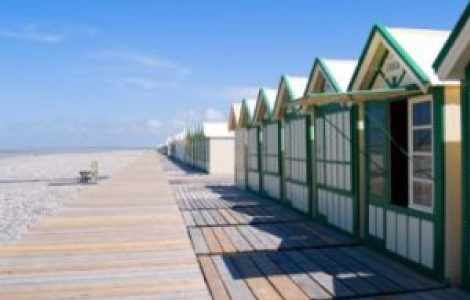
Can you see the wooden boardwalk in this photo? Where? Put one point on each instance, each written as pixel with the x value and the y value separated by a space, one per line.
pixel 250 247
pixel 125 239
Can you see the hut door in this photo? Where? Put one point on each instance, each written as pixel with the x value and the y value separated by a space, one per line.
pixel 296 162
pixel 334 166
pixel 240 164
pixel 253 159
pixel 270 161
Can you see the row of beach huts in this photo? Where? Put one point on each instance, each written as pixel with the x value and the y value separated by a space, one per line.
pixel 375 147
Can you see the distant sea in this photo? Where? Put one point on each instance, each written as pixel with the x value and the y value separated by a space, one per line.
pixel 9 153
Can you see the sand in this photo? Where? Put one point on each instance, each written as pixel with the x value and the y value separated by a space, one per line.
pixel 37 185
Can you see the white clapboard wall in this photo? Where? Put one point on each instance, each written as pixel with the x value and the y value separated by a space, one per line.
pixel 270 161
pixel 296 156
pixel 333 153
pixel 409 236
pixel 240 158
pixel 253 159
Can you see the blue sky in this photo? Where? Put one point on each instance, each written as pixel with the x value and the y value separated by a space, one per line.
pixel 130 73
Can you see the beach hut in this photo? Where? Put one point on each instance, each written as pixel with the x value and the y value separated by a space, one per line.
pixel 252 144
pixel 240 145
pixel 410 186
pixel 216 148
pixel 334 146
pixel 453 63
pixel 270 143
pixel 295 137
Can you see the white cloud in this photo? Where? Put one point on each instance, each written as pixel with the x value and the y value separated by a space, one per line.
pixel 213 115
pixel 139 71
pixel 32 32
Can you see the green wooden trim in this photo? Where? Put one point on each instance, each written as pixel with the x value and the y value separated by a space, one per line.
pixel 438 216
pixel 452 38
pixel 320 63
pixel 465 109
pixel 439 178
pixel 398 49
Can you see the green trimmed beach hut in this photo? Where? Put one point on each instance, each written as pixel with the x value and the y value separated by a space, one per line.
pixel 409 150
pixel 270 143
pixel 240 145
pixel 453 63
pixel 295 137
pixel 252 144
pixel 334 146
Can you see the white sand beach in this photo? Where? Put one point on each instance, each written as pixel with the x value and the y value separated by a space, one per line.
pixel 36 185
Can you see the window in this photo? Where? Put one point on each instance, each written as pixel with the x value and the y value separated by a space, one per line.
pixel 377 143
pixel 421 150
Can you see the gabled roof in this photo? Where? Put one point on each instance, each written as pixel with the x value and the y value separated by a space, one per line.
pixel 290 88
pixel 234 115
pixel 337 72
pixel 454 57
pixel 247 112
pixel 415 48
pixel 264 103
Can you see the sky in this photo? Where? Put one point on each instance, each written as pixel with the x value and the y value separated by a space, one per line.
pixel 114 73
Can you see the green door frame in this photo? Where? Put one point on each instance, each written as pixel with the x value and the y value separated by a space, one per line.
pixel 354 117
pixel 438 216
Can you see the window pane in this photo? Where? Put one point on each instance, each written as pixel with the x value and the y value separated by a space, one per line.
pixel 422 193
pixel 422 140
pixel 377 174
pixel 422 113
pixel 422 167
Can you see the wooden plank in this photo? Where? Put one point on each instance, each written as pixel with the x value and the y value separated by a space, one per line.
pixel 216 286
pixel 224 240
pixel 210 221
pixel 251 238
pixel 283 283
pixel 237 239
pixel 310 287
pixel 211 240
pixel 232 279
pixel 229 219
pixel 329 282
pixel 365 272
pixel 198 240
pixel 219 219
pixel 264 236
pixel 341 273
pixel 258 284
pixel 407 283
pixel 198 219
pixel 188 219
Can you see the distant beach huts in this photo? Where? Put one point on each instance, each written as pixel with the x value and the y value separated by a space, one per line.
pixel 372 147
pixel 208 147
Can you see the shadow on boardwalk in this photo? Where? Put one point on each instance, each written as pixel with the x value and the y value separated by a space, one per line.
pixel 250 247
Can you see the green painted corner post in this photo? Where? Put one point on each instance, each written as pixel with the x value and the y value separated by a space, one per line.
pixel 362 172
pixel 354 169
pixel 313 165
pixel 259 138
pixel 279 157
pixel 439 181
pixel 309 162
pixel 465 107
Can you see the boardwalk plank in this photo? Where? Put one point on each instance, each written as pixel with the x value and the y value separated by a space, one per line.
pixel 211 240
pixel 238 240
pixel 214 281
pixel 199 243
pixel 283 284
pixel 227 245
pixel 232 279
pixel 254 278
